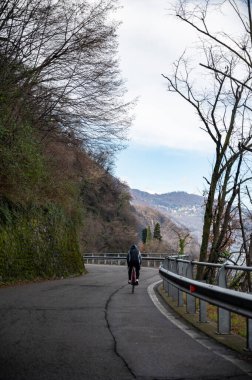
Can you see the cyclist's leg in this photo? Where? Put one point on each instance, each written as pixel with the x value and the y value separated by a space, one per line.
pixel 129 272
pixel 137 270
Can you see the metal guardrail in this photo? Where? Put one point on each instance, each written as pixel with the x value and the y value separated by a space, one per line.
pixel 177 275
pixel 237 302
pixel 120 258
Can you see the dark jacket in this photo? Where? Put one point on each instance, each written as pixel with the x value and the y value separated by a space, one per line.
pixel 134 256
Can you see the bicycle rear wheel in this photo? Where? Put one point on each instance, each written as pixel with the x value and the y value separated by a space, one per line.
pixel 133 278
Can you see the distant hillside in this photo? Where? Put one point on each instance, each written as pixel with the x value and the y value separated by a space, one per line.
pixel 185 210
pixel 149 216
pixel 175 199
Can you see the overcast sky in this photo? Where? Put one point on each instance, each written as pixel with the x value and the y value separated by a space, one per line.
pixel 167 150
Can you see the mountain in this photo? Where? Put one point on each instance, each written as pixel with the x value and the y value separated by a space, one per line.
pixel 149 216
pixel 186 210
pixel 173 200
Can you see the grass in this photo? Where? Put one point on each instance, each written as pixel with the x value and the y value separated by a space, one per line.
pixel 238 322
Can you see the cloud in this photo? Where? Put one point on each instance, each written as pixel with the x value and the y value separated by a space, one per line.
pixel 149 41
pixel 168 150
pixel 163 119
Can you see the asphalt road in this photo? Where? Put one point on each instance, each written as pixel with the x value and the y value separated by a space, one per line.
pixel 92 327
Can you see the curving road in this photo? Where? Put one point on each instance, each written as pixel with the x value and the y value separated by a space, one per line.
pixel 92 327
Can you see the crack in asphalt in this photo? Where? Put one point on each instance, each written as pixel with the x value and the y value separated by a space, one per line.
pixel 110 329
pixel 113 336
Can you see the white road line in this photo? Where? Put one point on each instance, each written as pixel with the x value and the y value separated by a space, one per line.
pixel 246 367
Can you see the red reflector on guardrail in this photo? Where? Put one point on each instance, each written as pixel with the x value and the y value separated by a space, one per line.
pixel 193 288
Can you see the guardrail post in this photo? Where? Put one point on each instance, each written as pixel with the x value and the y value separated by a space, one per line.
pixel 249 334
pixel 202 310
pixel 170 268
pixel 174 290
pixel 190 300
pixel 224 316
pixel 180 293
pixel 165 282
pixel 169 285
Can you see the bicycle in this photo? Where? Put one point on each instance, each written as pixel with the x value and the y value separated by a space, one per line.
pixel 133 279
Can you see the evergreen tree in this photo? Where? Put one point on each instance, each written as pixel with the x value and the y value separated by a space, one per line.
pixel 148 235
pixel 144 235
pixel 157 233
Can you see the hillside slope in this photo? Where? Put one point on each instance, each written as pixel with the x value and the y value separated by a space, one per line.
pixel 170 231
pixel 183 209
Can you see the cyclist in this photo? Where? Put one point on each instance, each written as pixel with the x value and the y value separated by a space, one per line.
pixel 134 259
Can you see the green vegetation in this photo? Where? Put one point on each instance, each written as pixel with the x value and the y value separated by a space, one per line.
pixel 37 242
pixel 144 235
pixel 238 322
pixel 62 118
pixel 157 233
pixel 152 241
pixel 148 235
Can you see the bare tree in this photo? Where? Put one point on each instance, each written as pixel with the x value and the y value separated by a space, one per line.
pixel 62 56
pixel 223 105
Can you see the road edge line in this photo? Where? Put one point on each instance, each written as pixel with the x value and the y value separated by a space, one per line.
pixel 194 334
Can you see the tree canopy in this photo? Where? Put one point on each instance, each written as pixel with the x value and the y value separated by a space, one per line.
pixel 62 118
